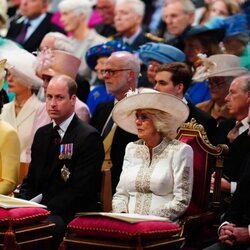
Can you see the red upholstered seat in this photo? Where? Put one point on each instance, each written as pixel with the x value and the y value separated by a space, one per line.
pixel 109 233
pixel 22 216
pixel 113 229
pixel 25 228
pixel 207 159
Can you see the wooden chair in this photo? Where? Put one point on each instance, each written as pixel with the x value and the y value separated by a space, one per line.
pixel 35 236
pixel 202 209
pixel 23 171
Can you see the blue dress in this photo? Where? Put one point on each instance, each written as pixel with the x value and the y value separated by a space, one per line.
pixel 198 92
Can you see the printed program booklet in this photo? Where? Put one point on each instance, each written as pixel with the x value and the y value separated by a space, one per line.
pixel 11 202
pixel 131 218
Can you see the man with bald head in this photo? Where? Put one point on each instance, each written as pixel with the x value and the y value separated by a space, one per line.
pixel 66 158
pixel 121 75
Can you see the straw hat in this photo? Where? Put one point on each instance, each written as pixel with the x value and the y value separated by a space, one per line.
pixel 160 52
pixel 123 112
pixel 23 63
pixel 218 65
pixel 56 62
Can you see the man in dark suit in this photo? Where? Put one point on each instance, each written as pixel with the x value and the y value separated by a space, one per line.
pixel 34 22
pixel 121 75
pixel 66 159
pixel 234 232
pixel 238 100
pixel 128 23
pixel 174 78
pixel 107 12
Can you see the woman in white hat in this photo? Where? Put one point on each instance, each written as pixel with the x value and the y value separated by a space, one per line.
pixel 157 175
pixel 22 80
pixel 9 149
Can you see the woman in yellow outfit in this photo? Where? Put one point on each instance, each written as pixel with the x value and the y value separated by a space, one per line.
pixel 9 149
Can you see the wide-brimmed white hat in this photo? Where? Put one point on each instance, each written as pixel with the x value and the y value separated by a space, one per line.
pixel 123 112
pixel 23 63
pixel 218 65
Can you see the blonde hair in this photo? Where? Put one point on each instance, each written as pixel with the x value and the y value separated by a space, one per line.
pixel 163 122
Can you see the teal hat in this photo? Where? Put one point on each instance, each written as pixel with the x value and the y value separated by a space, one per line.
pixel 104 49
pixel 160 52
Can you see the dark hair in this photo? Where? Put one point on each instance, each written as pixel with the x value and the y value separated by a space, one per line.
pixel 181 73
pixel 72 86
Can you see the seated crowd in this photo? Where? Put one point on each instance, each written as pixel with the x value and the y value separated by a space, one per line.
pixel 85 88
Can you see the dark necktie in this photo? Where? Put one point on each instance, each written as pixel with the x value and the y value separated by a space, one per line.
pixel 20 38
pixel 234 132
pixel 56 138
pixel 107 128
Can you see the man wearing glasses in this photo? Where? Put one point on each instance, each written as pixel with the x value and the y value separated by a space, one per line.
pixel 121 74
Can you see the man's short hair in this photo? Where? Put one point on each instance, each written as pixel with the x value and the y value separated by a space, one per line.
pixel 138 5
pixel 188 5
pixel 181 73
pixel 71 83
pixel 246 82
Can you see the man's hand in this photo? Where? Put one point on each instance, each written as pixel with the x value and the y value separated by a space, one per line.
pixel 226 234
pixel 225 185
pixel 241 235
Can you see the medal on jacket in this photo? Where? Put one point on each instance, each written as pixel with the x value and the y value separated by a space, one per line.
pixel 66 151
pixel 65 173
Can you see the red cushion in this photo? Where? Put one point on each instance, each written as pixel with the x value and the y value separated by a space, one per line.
pixel 22 216
pixel 100 227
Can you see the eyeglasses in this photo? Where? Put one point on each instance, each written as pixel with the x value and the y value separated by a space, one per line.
pixel 112 72
pixel 216 83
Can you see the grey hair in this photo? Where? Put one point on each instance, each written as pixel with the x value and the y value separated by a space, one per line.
pixel 78 6
pixel 163 122
pixel 245 82
pixel 138 5
pixel 62 42
pixel 130 60
pixel 188 5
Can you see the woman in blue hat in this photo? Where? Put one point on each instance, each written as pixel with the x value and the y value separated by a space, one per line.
pixel 96 57
pixel 154 54
pixel 200 40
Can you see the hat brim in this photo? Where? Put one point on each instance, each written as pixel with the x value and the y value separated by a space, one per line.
pixel 237 71
pixel 92 59
pixel 147 56
pixel 123 112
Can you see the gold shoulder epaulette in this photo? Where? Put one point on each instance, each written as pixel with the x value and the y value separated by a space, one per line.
pixel 154 37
